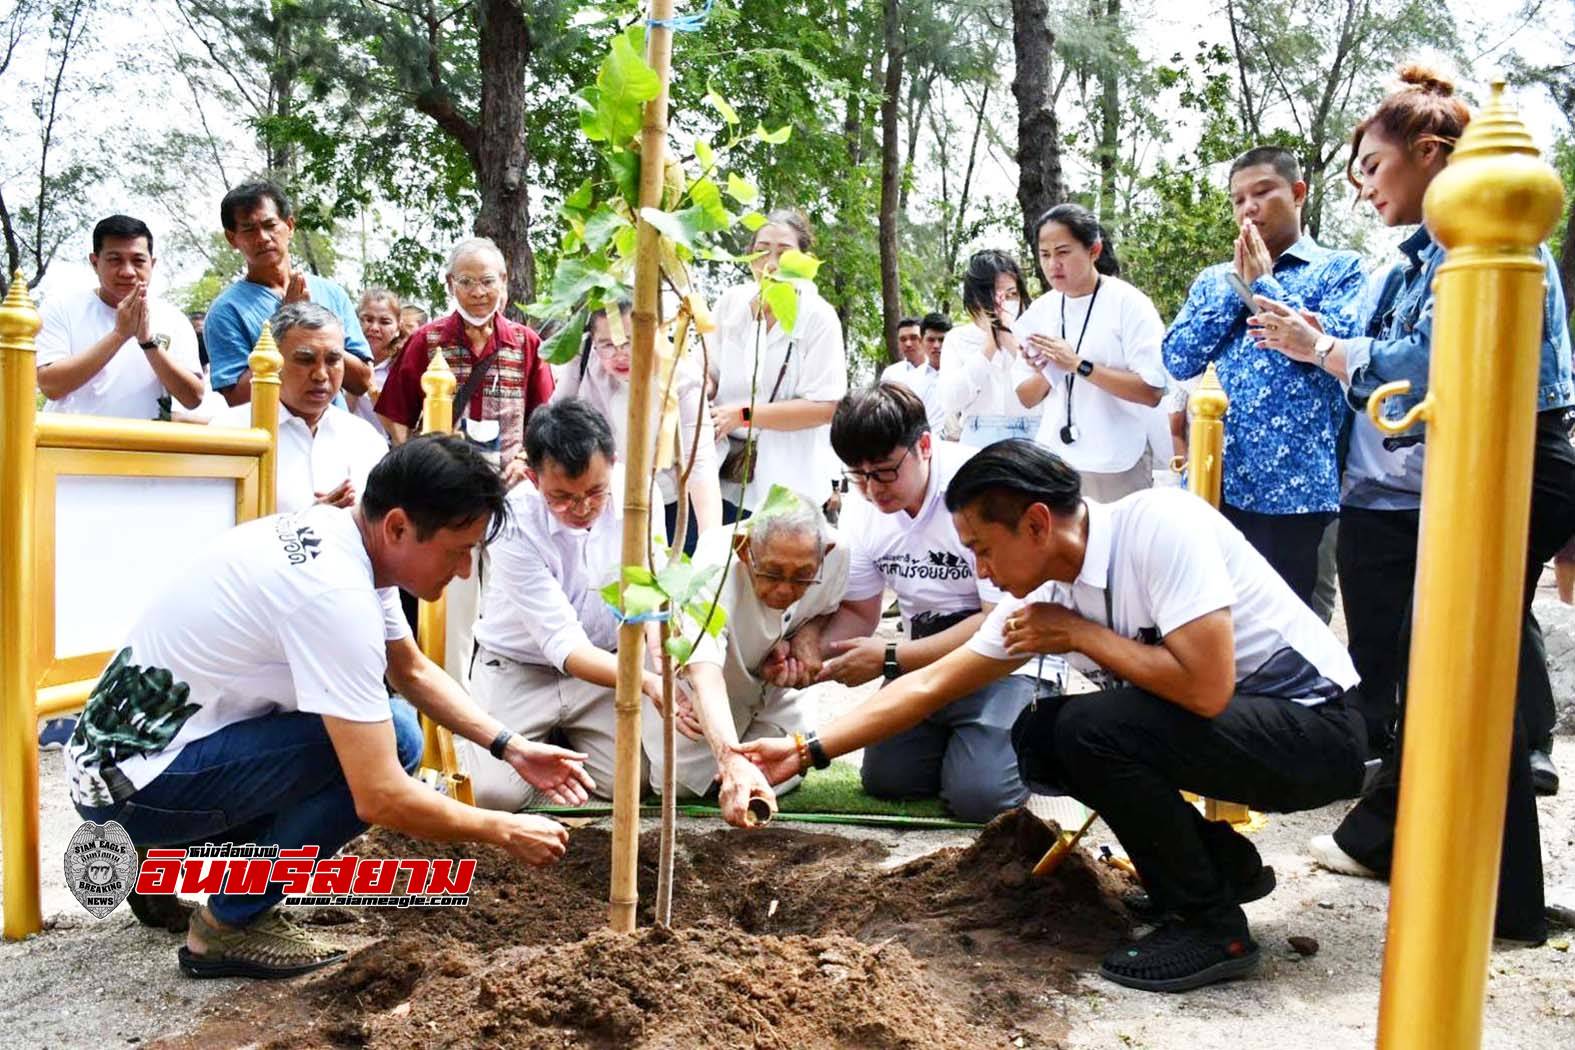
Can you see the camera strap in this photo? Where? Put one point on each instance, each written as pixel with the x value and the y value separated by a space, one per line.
pixel 1071 377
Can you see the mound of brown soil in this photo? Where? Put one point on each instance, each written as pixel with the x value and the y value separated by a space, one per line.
pixel 782 938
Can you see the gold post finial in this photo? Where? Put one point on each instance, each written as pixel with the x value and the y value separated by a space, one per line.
pixel 438 380
pixel 265 360
pixel 19 318
pixel 1207 400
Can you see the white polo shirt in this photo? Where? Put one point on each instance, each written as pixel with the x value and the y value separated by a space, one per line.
pixel 126 387
pixel 753 627
pixel 1124 331
pixel 278 614
pixel 345 446
pixel 1161 558
pixel 542 597
pixel 921 379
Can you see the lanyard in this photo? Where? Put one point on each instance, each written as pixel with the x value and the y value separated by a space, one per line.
pixel 1071 377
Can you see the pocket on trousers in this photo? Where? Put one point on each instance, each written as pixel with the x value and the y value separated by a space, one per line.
pixel 1032 743
pixel 153 826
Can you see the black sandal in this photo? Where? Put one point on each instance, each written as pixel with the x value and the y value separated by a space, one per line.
pixel 271 947
pixel 1181 955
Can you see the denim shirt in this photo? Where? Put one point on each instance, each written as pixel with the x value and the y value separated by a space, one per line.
pixel 1383 472
pixel 1285 417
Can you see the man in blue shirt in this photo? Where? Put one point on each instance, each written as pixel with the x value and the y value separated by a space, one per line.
pixel 1281 481
pixel 259 224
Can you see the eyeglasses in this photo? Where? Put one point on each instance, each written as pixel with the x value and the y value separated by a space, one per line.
pixel 880 475
pixel 778 578
pixel 487 284
pixel 579 503
pixel 609 348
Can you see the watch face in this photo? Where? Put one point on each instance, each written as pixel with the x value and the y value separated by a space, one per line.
pixel 1085 368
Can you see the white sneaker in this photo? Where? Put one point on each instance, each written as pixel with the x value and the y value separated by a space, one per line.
pixel 1326 853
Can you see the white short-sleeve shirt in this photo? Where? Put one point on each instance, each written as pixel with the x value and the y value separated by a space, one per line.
pixel 971 384
pixel 126 387
pixel 1161 558
pixel 279 614
pixel 345 446
pixel 922 380
pixel 817 370
pixel 1124 331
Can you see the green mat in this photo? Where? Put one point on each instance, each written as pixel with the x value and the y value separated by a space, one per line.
pixel 828 796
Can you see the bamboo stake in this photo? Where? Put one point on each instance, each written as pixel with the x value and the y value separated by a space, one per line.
pixel 637 510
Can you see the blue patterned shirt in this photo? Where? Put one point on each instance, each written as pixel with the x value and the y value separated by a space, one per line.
pixel 1285 416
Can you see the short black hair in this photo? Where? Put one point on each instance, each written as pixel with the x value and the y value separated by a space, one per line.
pixel 1006 478
pixel 935 323
pixel 440 482
pixel 872 423
pixel 569 432
pixel 1282 160
pixel 247 196
pixel 120 227
pixel 908 322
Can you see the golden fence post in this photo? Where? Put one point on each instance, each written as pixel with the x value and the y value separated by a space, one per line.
pixel 1206 408
pixel 19 324
pixel 266 362
pixel 1490 208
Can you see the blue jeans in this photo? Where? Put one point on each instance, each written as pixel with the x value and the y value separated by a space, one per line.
pixel 983 431
pixel 273 780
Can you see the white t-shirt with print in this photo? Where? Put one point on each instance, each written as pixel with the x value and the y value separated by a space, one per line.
pixel 344 447
pixel 921 558
pixel 126 387
pixel 1163 558
pixel 801 460
pixel 1124 331
pixel 279 614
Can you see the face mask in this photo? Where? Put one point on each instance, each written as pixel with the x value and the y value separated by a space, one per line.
pixel 1009 310
pixel 472 319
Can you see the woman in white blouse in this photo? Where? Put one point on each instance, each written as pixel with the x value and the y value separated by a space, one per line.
pixel 977 380
pixel 1091 356
pixel 600 377
pixel 796 380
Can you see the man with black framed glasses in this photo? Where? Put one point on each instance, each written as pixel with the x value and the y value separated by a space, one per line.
pixel 546 643
pixel 901 536
pixel 783 581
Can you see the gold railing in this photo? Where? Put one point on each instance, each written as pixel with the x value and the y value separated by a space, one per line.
pixel 1491 207
pixel 35 451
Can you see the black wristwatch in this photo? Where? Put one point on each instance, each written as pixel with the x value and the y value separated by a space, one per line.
pixel 817 751
pixel 158 342
pixel 891 669
pixel 1085 368
pixel 500 743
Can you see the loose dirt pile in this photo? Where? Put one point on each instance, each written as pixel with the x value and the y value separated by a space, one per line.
pixel 782 938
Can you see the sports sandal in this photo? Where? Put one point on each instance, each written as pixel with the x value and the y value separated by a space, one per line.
pixel 270 947
pixel 1181 955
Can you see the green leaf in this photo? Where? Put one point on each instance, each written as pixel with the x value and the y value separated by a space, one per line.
pixel 711 618
pixel 797 264
pixel 681 227
pixel 640 600
pixel 720 104
pixel 625 167
pixel 624 242
pixel 565 342
pixel 782 297
pixel 682 580
pixel 712 214
pixel 742 190
pixel 601 226
pixel 575 277
pixel 775 138
pixel 679 649
pixel 626 84
pixel 752 220
pixel 779 500
pixel 581 198
pixel 593 118
pixel 705 154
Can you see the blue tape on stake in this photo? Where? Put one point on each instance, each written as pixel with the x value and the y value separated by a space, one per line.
pixel 660 616
pixel 691 23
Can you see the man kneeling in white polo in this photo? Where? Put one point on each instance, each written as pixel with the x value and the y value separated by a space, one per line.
pixel 546 656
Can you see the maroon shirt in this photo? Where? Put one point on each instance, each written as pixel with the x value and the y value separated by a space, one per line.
pixel 513 387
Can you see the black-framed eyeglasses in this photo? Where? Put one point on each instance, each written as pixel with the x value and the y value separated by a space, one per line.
pixel 880 475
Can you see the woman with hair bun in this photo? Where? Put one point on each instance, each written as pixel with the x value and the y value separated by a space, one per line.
pixel 1091 354
pixel 1395 154
pixel 977 380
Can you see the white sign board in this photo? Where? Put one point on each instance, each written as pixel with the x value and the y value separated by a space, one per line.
pixel 117 541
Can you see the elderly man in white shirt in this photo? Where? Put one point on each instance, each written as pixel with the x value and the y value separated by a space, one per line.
pixel 546 657
pixel 783 582
pixel 116 350
pixel 325 452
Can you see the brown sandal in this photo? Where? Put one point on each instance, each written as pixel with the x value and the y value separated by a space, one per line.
pixel 271 947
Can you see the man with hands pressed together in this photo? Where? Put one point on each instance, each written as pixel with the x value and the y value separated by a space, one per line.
pixel 786 577
pixel 1213 678
pixel 901 536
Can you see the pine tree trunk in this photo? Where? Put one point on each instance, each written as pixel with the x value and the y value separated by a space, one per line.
pixel 891 181
pixel 500 157
pixel 1039 181
pixel 1109 124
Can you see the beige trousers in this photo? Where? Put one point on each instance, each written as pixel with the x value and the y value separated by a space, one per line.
pixel 776 712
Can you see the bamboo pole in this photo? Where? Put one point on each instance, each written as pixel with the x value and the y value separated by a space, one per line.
pixel 1491 207
pixel 637 510
pixel 266 362
pixel 1206 408
pixel 19 325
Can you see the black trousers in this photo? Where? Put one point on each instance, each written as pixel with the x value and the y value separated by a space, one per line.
pixel 1288 542
pixel 1368 831
pixel 1376 558
pixel 1128 754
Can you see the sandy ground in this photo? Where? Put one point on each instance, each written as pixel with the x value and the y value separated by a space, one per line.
pixel 104 983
